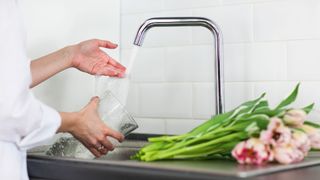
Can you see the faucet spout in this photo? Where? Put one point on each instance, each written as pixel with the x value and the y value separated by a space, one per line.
pixel 193 21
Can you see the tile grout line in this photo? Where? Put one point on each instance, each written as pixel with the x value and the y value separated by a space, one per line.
pixel 252 23
pixel 210 82
pixel 286 62
pixel 226 43
pixel 220 4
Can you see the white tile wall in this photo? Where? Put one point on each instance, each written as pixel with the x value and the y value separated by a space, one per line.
pixel 151 126
pixel 276 91
pixel 255 61
pixel 178 126
pixel 235 1
pixel 238 92
pixel 149 64
pixel 133 98
pixel 129 6
pixel 285 20
pixel 203 100
pixel 310 92
pixel 182 4
pixel 174 100
pixel 189 63
pixel 235 23
pixel 269 45
pixel 304 55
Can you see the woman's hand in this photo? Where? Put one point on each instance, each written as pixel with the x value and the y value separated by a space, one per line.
pixel 88 57
pixel 87 127
pixel 85 56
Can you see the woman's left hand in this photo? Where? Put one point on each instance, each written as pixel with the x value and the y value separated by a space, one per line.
pixel 86 126
pixel 85 56
pixel 88 57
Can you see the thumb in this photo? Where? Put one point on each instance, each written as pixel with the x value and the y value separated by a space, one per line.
pixel 94 102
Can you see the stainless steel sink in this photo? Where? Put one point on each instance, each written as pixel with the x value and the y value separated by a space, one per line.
pixel 226 168
pixel 120 154
pixel 124 151
pixel 66 147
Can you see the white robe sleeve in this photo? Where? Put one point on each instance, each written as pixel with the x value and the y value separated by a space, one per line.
pixel 24 120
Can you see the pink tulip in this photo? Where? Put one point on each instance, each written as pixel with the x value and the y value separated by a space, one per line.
pixel 276 134
pixel 314 136
pixel 301 141
pixel 295 117
pixel 252 151
pixel 287 154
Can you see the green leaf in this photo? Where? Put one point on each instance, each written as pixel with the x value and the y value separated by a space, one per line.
pixel 252 128
pixel 262 104
pixel 270 112
pixel 315 125
pixel 246 109
pixel 261 120
pixel 214 121
pixel 308 108
pixel 290 99
pixel 217 120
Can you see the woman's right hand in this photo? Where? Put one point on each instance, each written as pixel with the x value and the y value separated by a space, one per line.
pixel 87 56
pixel 89 129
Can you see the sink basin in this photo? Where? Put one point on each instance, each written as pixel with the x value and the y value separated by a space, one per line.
pixel 120 154
pixel 120 158
pixel 67 147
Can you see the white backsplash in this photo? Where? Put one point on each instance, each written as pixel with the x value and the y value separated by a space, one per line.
pixel 270 45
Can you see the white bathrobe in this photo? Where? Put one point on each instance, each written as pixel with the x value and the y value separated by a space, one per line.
pixel 25 122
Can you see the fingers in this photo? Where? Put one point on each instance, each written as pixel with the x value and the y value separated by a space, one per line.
pixel 116 64
pixel 103 146
pixel 112 63
pixel 107 44
pixel 107 144
pixel 106 69
pixel 92 149
pixel 110 71
pixel 95 152
pixel 115 134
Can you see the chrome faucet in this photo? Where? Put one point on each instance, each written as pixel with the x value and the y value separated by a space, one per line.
pixel 193 21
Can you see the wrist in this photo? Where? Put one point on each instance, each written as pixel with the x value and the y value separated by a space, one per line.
pixel 68 54
pixel 68 122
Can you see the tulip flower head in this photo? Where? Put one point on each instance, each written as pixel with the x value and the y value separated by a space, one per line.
pixel 252 151
pixel 314 136
pixel 287 154
pixel 276 134
pixel 295 117
pixel 301 141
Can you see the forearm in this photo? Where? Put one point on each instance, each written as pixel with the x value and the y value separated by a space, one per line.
pixel 45 67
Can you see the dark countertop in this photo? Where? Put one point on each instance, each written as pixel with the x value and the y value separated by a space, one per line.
pixel 68 170
pixel 61 168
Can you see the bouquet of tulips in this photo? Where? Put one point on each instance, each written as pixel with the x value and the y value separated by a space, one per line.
pixel 252 133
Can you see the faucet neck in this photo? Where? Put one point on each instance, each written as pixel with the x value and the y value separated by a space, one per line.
pixel 193 21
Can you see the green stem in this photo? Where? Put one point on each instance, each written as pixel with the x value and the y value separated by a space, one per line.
pixel 206 153
pixel 167 138
pixel 228 138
